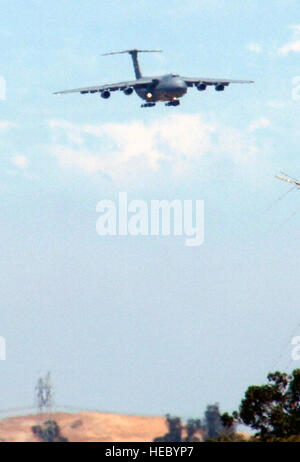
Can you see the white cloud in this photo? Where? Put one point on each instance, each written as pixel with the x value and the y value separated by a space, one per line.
pixel 293 46
pixel 254 47
pixel 277 104
pixel 257 124
pixel 70 129
pixel 20 161
pixel 296 29
pixel 119 150
pixel 6 125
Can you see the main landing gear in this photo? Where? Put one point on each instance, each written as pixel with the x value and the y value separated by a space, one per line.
pixel 175 102
pixel 148 105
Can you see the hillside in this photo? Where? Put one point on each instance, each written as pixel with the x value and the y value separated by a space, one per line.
pixel 86 427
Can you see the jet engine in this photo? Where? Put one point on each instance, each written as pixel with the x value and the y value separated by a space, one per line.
pixel 201 86
pixel 128 91
pixel 105 94
pixel 220 87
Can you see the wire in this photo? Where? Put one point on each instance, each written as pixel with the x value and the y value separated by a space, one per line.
pixel 281 197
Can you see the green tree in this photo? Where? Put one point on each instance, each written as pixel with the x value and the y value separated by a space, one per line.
pixel 192 427
pixel 175 430
pixel 272 409
pixel 49 432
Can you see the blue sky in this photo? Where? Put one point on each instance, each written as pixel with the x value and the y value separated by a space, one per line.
pixel 132 324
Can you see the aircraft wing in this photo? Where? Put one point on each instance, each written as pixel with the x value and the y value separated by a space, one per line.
pixel 140 83
pixel 201 80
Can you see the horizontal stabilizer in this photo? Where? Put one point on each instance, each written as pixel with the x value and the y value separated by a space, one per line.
pixel 131 52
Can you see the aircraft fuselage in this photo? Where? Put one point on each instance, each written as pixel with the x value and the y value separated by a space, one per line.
pixel 166 88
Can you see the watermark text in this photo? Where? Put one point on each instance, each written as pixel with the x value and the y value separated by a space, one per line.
pixel 158 217
pixel 2 88
pixel 2 349
pixel 296 350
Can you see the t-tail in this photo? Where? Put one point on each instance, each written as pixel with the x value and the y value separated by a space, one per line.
pixel 134 56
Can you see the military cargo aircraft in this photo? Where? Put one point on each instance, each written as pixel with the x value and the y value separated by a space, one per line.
pixel 168 88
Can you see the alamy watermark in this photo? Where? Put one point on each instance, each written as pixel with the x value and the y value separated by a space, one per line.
pixel 296 350
pixel 2 88
pixel 2 349
pixel 296 88
pixel 158 217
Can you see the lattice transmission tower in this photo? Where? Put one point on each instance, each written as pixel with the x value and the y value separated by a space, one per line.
pixel 44 395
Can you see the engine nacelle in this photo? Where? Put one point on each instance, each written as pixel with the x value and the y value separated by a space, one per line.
pixel 105 94
pixel 128 91
pixel 220 87
pixel 201 86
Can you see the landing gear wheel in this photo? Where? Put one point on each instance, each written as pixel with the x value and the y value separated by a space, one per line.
pixel 148 105
pixel 176 102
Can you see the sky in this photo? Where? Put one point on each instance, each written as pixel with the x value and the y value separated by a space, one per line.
pixel 146 325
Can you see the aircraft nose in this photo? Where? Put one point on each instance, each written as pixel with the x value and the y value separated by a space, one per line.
pixel 179 85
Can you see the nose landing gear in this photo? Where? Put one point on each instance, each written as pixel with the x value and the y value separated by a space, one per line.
pixel 174 102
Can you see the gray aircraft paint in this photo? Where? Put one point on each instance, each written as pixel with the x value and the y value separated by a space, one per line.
pixel 168 88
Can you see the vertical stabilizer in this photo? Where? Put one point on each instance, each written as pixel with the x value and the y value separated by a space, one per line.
pixel 134 56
